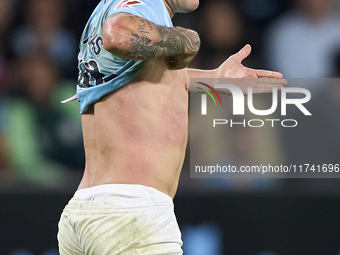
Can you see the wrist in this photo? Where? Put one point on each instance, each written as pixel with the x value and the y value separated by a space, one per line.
pixel 216 73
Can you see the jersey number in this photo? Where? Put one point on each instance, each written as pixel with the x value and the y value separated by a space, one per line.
pixel 90 70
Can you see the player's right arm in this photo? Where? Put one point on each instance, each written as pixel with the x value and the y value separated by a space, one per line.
pixel 135 38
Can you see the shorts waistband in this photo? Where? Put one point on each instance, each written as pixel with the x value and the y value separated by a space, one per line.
pixel 118 192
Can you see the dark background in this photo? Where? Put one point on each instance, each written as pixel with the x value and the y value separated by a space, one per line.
pixel 41 153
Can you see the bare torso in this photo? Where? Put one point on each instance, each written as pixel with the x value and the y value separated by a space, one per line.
pixel 138 134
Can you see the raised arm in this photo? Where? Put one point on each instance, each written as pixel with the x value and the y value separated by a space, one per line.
pixel 135 38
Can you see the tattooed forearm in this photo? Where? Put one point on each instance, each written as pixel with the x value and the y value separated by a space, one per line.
pixel 141 48
pixel 135 38
pixel 150 41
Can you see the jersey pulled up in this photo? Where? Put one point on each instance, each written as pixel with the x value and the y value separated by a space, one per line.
pixel 101 72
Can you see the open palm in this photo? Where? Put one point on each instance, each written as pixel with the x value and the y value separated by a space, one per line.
pixel 263 81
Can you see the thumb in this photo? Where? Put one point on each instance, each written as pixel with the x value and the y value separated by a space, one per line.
pixel 243 53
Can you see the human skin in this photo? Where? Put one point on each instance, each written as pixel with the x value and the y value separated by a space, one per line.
pixel 138 134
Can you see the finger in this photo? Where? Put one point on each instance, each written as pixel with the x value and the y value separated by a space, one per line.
pixel 243 53
pixel 278 81
pixel 270 89
pixel 268 86
pixel 260 82
pixel 269 74
pixel 266 89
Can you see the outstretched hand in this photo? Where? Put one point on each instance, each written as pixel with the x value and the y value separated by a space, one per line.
pixel 263 82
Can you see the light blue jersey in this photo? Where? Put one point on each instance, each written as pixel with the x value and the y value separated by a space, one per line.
pixel 101 72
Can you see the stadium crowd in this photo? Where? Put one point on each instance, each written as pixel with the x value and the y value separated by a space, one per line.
pixel 41 140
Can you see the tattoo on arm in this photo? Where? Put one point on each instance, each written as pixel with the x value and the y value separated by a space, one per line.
pixel 172 41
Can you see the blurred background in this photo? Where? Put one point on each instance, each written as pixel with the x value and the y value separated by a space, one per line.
pixel 41 150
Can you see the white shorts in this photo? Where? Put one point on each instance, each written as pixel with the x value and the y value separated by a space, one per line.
pixel 119 219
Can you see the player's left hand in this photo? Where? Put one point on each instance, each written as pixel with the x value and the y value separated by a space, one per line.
pixel 263 82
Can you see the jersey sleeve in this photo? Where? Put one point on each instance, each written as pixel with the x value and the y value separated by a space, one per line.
pixel 130 10
pixel 152 10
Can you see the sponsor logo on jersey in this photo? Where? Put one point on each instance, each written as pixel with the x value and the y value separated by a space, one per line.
pixel 128 3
